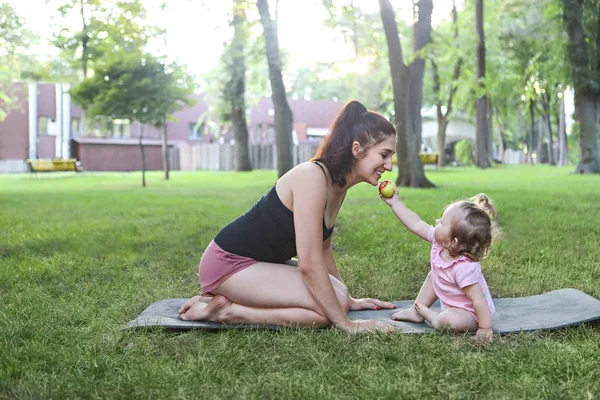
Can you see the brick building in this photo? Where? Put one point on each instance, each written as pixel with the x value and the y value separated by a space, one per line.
pixel 44 123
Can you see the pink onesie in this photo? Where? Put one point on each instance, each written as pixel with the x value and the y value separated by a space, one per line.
pixel 449 278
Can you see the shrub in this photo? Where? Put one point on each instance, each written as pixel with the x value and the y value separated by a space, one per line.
pixel 464 152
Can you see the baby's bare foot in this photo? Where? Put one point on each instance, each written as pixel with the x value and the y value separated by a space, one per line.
pixel 215 310
pixel 186 306
pixel 409 314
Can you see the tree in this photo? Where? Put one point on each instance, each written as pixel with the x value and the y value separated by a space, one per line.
pixel 15 40
pixel 171 91
pixel 236 88
pixel 217 82
pixel 483 137
pixel 537 47
pixel 106 27
pixel 283 112
pixel 359 77
pixel 563 157
pixel 443 117
pixel 407 83
pixel 137 87
pixel 582 20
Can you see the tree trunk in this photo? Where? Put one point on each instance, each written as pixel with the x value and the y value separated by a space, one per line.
pixel 84 61
pixel 238 81
pixel 586 113
pixel 501 146
pixel 165 150
pixel 586 88
pixel 421 37
pixel 443 118
pixel 283 113
pixel 548 119
pixel 143 155
pixel 400 81
pixel 407 83
pixel 539 153
pixel 490 138
pixel 563 158
pixel 531 128
pixel 441 139
pixel 483 159
pixel 501 141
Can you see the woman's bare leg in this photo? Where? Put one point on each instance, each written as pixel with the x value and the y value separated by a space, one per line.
pixel 426 297
pixel 267 294
pixel 452 318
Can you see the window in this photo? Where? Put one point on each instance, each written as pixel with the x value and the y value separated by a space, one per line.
pixel 120 128
pixel 196 130
pixel 75 127
pixel 100 127
pixel 46 126
pixel 268 134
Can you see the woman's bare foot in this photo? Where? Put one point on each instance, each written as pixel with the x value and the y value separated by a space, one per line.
pixel 215 310
pixel 409 314
pixel 425 312
pixel 186 306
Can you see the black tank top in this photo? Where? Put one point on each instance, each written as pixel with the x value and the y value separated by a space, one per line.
pixel 265 233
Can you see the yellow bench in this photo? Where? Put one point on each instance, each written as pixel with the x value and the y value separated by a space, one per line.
pixel 426 158
pixel 52 165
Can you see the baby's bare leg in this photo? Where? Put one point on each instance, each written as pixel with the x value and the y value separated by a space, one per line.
pixel 426 297
pixel 454 319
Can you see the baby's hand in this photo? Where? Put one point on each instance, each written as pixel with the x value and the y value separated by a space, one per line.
pixel 485 334
pixel 391 200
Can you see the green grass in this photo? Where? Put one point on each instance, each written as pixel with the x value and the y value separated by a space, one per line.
pixel 80 256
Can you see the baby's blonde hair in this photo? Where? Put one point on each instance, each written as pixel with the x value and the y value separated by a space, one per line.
pixel 475 231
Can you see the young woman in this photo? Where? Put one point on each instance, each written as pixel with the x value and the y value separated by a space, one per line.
pixel 247 269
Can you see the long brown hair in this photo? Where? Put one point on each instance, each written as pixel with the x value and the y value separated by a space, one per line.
pixel 354 123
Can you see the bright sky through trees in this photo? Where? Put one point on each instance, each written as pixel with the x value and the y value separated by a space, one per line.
pixel 196 29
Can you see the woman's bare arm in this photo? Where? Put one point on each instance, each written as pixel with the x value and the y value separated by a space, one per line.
pixel 309 191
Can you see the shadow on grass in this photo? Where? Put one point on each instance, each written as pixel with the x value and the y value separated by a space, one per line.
pixel 35 248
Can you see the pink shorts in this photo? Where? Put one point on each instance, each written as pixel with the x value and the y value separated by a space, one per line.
pixel 217 265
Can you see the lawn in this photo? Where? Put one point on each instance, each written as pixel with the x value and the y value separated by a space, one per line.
pixel 82 255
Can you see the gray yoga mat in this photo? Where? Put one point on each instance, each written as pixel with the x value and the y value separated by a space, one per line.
pixel 552 310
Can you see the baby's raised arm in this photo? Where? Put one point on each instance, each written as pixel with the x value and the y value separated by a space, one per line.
pixel 408 217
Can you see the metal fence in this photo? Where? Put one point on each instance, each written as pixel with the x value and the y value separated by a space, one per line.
pixel 221 157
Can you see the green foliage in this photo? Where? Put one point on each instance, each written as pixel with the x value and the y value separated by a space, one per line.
pixel 134 86
pixel 573 143
pixel 106 27
pixel 584 56
pixel 464 152
pixel 218 79
pixel 52 70
pixel 15 42
pixel 70 279
pixel 525 58
pixel 365 77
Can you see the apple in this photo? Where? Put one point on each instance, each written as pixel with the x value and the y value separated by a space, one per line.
pixel 387 188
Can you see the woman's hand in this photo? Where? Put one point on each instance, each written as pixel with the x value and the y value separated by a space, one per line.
pixel 367 326
pixel 368 304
